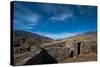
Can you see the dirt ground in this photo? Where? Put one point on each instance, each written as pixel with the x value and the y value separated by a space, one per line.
pixel 81 58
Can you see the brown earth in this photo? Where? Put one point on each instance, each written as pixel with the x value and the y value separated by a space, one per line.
pixel 81 58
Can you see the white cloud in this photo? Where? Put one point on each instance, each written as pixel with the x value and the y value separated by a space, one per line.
pixel 62 17
pixel 59 35
pixel 28 22
pixel 33 19
pixel 26 27
pixel 22 25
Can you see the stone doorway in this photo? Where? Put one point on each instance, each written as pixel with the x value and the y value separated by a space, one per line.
pixel 78 47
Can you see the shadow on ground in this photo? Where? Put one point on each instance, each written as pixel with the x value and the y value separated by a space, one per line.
pixel 42 58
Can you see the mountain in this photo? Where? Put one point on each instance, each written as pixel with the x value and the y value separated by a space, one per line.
pixel 87 36
pixel 28 37
pixel 88 40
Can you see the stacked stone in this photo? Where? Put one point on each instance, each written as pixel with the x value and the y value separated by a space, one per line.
pixel 58 53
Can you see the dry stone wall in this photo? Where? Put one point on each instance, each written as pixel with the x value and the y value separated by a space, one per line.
pixel 58 53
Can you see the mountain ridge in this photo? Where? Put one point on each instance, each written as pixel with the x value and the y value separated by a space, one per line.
pixel 29 34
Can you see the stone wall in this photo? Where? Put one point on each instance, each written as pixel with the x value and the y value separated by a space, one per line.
pixel 62 44
pixel 88 48
pixel 58 52
pixel 22 58
pixel 53 53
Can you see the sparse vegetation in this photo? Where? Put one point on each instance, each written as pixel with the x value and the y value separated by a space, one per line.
pixel 25 43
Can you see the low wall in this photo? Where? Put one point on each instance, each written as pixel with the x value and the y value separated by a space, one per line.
pixel 58 52
pixel 51 54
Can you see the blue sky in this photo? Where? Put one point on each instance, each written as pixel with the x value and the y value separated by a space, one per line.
pixel 54 20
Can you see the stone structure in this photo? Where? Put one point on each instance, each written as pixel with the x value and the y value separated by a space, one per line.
pixel 51 53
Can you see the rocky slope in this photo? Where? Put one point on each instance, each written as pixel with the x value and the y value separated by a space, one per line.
pixel 23 37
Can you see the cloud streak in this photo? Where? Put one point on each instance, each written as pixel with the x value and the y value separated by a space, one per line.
pixel 26 22
pixel 61 17
pixel 33 19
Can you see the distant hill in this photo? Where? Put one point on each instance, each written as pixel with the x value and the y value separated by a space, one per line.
pixel 85 36
pixel 29 37
pixel 26 34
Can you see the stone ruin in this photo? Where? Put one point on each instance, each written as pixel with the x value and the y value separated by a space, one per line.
pixel 53 53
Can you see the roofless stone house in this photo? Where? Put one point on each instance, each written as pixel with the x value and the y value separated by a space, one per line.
pixel 54 52
pixel 64 48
